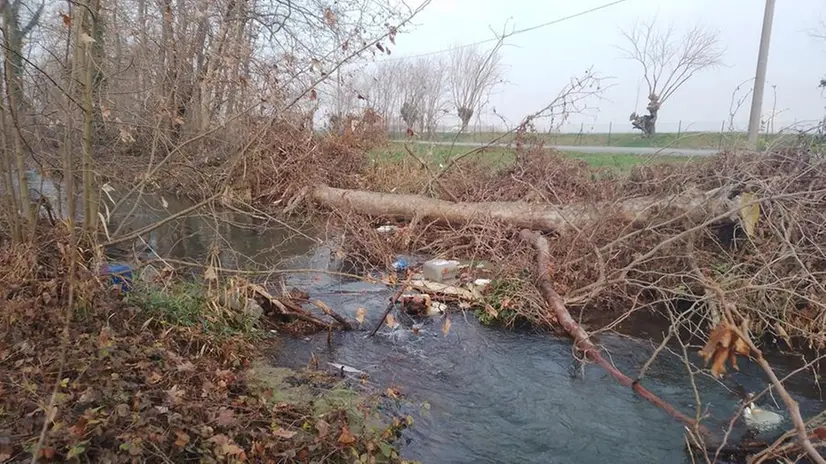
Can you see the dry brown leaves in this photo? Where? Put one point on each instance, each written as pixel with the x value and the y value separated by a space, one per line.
pixel 723 345
pixel 133 390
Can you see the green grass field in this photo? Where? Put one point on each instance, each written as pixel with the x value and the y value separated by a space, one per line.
pixel 701 140
pixel 499 157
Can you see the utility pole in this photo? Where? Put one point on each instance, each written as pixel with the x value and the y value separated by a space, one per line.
pixel 760 75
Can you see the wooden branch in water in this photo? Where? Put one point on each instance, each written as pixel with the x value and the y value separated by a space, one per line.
pixel 581 338
pixel 393 301
pixel 345 324
pixel 791 404
pixel 282 308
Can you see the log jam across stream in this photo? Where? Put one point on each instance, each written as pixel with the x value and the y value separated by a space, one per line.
pixel 482 394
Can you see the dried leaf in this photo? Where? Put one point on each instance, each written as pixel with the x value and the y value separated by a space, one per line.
pixel 781 332
pixel 175 395
pixel 313 94
pixel 346 438
pixel 231 449
pixel 446 326
pixel 721 335
pixel 329 17
pixel 723 345
pixel 491 311
pixel 323 428
pixel 46 452
pixel 392 393
pixel 226 416
pixel 718 367
pixel 67 21
pixel 153 378
pixel 181 439
pixel 379 46
pixel 391 321
pixel 732 357
pixel 186 367
pixel 85 38
pixel 360 313
pixel 210 273
pixel 283 433
pixel 820 432
pixel 741 347
pixel 126 136
pixel 164 203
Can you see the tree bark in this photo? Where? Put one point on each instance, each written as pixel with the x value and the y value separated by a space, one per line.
pixel 581 338
pixel 698 205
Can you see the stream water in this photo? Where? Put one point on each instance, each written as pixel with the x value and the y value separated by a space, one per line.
pixel 479 394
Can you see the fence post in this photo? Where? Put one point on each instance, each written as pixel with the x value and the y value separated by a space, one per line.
pixel 580 135
pixel 679 131
pixel 720 143
pixel 610 127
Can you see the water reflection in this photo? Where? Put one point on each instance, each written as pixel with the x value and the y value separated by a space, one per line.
pixel 237 239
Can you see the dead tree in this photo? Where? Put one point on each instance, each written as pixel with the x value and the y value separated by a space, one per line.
pixel 668 61
pixel 472 75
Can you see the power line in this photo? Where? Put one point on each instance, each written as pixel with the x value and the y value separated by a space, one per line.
pixel 516 32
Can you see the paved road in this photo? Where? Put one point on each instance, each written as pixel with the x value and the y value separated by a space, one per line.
pixel 612 150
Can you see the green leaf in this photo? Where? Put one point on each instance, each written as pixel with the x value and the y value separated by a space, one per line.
pixel 386 449
pixel 76 450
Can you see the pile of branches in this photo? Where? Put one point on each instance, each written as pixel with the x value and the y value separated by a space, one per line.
pixel 754 226
pixel 85 375
pixel 269 162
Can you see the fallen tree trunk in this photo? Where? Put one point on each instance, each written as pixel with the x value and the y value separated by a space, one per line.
pixel 582 340
pixel 696 204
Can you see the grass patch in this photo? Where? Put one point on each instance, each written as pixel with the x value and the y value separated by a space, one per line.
pixel 498 157
pixel 435 155
pixel 187 304
pixel 691 140
pixel 623 162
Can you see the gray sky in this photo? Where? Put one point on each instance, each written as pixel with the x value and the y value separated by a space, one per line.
pixel 539 63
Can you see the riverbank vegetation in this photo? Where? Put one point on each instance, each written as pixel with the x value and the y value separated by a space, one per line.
pixel 163 375
pixel 727 249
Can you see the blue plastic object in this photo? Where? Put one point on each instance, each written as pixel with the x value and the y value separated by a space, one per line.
pixel 120 275
pixel 400 264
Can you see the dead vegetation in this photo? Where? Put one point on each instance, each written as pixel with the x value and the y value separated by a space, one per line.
pixel 106 379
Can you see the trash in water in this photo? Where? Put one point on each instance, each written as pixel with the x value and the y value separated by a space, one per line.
pixel 347 369
pixel 120 275
pixel 400 264
pixel 437 309
pixel 440 270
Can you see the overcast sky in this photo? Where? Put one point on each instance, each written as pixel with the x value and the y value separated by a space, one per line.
pixel 539 63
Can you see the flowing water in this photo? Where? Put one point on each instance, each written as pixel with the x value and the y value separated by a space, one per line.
pixel 479 394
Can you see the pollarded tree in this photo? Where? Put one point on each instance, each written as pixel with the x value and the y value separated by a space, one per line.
pixel 472 74
pixel 668 61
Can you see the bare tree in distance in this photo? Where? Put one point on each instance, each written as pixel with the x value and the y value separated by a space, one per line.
pixel 432 74
pixel 472 73
pixel 423 93
pixel 668 61
pixel 415 91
